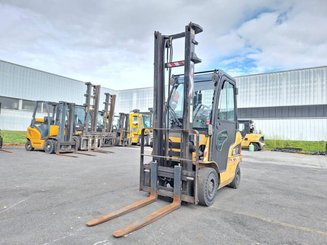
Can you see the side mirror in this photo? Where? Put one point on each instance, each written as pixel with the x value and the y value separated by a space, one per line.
pixel 210 129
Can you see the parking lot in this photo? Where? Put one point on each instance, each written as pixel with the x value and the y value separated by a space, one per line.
pixel 46 199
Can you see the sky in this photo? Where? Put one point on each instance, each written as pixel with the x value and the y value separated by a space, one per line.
pixel 110 42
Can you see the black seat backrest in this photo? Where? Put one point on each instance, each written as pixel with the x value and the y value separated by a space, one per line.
pixel 43 129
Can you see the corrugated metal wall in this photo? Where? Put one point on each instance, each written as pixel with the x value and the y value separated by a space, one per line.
pixel 30 84
pixel 294 129
pixel 130 99
pixel 295 87
pixel 15 119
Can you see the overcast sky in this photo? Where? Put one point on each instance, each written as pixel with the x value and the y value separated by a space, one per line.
pixel 110 42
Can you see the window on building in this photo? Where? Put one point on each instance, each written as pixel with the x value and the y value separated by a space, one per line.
pixel 9 103
pixel 28 105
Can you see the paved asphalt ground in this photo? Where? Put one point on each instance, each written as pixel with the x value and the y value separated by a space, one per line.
pixel 46 199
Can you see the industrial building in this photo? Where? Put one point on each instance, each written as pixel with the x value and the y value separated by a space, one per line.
pixel 284 105
pixel 21 86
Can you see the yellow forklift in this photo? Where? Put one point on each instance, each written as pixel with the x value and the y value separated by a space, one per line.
pixel 51 128
pixel 249 136
pixel 196 144
pixel 138 122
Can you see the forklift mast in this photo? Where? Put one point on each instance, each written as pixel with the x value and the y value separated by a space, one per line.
pixel 92 97
pixel 123 130
pixel 65 116
pixel 107 136
pixel 90 139
pixel 160 115
pixel 65 120
pixel 108 112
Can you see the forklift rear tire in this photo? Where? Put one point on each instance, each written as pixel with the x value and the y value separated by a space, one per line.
pixel 207 186
pixel 256 147
pixel 28 146
pixel 237 179
pixel 49 146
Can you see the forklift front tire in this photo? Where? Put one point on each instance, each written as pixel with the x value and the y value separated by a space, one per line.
pixel 49 146
pixel 28 146
pixel 207 186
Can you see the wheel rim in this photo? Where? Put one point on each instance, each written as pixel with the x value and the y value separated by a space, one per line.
pixel 211 188
pixel 48 146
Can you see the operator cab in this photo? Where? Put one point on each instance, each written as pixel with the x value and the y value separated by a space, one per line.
pixel 214 109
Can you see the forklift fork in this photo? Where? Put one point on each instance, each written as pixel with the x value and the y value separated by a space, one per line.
pixel 141 203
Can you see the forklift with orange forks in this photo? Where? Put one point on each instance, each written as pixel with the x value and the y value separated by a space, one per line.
pixel 196 143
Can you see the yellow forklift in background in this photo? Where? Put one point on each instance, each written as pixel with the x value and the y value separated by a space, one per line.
pixel 138 122
pixel 196 142
pixel 51 128
pixel 249 136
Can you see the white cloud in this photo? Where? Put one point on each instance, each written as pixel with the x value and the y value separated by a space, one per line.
pixel 111 42
pixel 299 41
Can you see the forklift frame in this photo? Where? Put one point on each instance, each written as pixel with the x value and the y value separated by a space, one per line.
pixel 123 130
pixel 183 171
pixel 90 139
pixel 62 115
pixel 108 136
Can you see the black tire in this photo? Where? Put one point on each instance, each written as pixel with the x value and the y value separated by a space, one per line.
pixel 237 179
pixel 28 146
pixel 256 147
pixel 1 142
pixel 207 186
pixel 50 146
